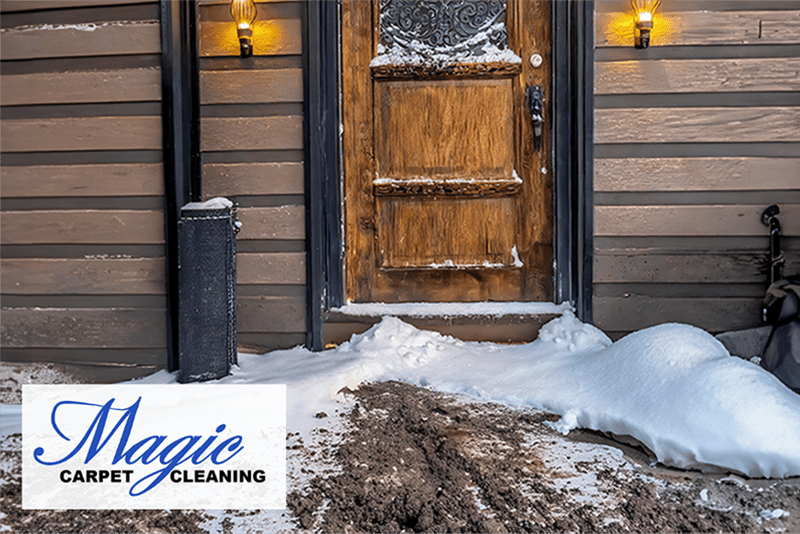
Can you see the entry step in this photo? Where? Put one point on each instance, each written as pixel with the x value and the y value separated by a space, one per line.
pixel 500 322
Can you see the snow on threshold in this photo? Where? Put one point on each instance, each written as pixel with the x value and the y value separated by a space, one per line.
pixel 673 387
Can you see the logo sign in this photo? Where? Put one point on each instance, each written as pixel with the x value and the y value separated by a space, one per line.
pixel 154 446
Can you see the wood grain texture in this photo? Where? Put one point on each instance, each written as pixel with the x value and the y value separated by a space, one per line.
pixel 271 268
pixel 82 226
pixel 721 268
pixel 450 232
pixel 440 129
pixel 123 363
pixel 285 222
pixel 31 5
pixel 711 314
pixel 270 314
pixel 703 28
pixel 696 174
pixel 423 129
pixel 535 209
pixel 697 76
pixel 78 40
pixel 697 125
pixel 464 70
pixel 83 328
pixel 122 85
pixel 213 2
pixel 121 179
pixel 235 179
pixel 251 133
pixel 270 38
pixel 357 141
pixel 74 276
pixel 251 86
pixel 449 285
pixel 81 133
pixel 471 187
pixel 716 220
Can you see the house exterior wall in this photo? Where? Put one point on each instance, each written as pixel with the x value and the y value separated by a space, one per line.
pixel 82 185
pixel 252 152
pixel 694 138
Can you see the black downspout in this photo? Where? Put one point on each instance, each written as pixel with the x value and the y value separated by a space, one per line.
pixel 181 141
pixel 583 64
pixel 573 109
pixel 321 133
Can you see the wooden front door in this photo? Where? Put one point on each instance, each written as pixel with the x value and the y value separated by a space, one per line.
pixel 448 195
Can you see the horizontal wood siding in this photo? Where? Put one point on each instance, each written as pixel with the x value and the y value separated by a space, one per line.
pixel 81 133
pixel 81 40
pixel 703 28
pixel 696 174
pixel 252 143
pixel 109 180
pixel 697 76
pixel 81 226
pixel 83 271
pixel 76 276
pixel 117 85
pixel 270 38
pixel 251 87
pixel 693 141
pixel 274 178
pixel 251 133
pixel 705 220
pixel 698 125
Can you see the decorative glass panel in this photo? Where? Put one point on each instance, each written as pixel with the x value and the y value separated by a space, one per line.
pixel 440 32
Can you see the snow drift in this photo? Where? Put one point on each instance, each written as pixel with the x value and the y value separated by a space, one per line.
pixel 673 387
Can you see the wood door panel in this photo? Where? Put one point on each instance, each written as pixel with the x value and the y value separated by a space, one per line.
pixel 445 128
pixel 439 285
pixel 448 233
pixel 441 178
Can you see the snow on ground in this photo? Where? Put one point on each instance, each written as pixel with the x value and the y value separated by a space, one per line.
pixel 672 387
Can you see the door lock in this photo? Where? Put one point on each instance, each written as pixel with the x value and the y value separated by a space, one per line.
pixel 534 97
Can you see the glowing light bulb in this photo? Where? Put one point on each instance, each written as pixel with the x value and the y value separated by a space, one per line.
pixel 644 11
pixel 244 13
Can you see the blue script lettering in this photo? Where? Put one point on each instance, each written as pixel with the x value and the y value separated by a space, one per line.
pixel 145 451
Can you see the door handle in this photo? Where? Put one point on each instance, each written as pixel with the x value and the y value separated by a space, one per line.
pixel 534 97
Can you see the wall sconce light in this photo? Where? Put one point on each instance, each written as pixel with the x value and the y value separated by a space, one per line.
pixel 244 13
pixel 643 11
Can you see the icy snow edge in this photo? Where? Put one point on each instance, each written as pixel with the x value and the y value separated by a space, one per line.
pixel 452 309
pixel 673 387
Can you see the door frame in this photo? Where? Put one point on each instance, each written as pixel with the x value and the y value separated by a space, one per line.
pixel 571 107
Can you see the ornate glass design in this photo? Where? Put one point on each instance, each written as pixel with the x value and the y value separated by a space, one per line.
pixel 443 27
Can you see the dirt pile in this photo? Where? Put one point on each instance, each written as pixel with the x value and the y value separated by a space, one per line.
pixel 419 461
pixel 414 460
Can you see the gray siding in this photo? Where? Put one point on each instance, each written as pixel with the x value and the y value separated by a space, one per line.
pixel 252 151
pixel 694 137
pixel 82 186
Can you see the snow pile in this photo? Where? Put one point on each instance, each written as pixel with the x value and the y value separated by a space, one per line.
pixel 673 387
pixel 216 203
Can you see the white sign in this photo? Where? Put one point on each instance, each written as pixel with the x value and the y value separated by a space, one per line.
pixel 154 446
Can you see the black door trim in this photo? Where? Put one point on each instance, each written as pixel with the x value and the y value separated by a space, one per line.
pixel 573 152
pixel 324 256
pixel 572 130
pixel 180 102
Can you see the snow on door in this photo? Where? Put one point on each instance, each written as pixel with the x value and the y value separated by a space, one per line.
pixel 446 197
